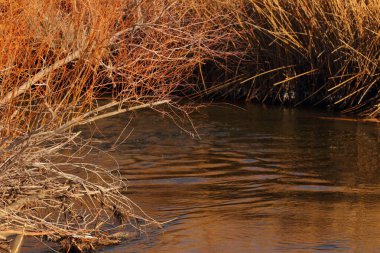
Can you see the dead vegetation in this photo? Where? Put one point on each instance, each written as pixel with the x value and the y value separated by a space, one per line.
pixel 58 58
pixel 318 53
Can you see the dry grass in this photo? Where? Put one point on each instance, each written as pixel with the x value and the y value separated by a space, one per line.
pixel 58 58
pixel 310 52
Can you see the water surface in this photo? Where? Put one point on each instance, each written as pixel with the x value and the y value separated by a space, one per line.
pixel 257 180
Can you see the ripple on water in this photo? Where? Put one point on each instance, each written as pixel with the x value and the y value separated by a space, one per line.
pixel 259 180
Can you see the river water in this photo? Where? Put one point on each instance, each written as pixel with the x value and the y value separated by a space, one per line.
pixel 256 180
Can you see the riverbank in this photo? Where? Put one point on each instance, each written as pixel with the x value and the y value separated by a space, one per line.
pixel 319 54
pixel 58 58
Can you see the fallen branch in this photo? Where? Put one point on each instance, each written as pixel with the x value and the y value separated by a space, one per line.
pixel 42 73
pixel 58 64
pixel 86 118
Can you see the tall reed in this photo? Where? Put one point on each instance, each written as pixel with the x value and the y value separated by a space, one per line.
pixel 313 52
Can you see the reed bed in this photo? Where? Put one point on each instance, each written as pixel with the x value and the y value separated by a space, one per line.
pixel 319 53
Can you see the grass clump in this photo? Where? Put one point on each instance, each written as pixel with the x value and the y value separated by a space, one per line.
pixel 308 52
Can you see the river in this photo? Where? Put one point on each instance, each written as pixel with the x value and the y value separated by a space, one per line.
pixel 257 179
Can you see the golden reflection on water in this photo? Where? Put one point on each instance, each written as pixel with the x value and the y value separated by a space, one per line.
pixel 258 180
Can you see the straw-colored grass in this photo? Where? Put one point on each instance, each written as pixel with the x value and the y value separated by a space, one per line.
pixel 309 52
pixel 58 58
